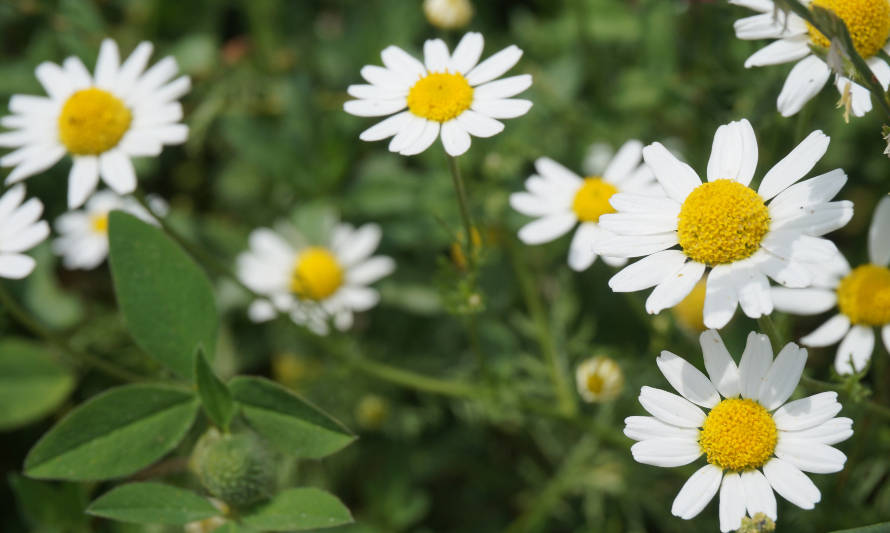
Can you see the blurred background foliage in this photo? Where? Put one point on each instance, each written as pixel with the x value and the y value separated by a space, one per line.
pixel 269 141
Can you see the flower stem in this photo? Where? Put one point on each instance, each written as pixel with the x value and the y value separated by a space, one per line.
pixel 768 327
pixel 25 319
pixel 462 202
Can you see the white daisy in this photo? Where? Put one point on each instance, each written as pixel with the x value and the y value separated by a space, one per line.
pixel 726 226
pixel 448 95
pixel 103 120
pixel 599 379
pixel 753 441
pixel 869 25
pixel 862 296
pixel 83 234
pixel 312 283
pixel 20 230
pixel 560 199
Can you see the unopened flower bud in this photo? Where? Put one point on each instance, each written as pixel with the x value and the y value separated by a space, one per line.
pixel 599 379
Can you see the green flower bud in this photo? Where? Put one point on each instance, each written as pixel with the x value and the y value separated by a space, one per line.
pixel 235 468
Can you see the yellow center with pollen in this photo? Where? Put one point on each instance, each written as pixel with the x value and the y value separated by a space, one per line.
pixel 864 295
pixel 722 222
pixel 99 223
pixel 738 435
pixel 867 20
pixel 93 121
pixel 592 199
pixel 440 96
pixel 317 274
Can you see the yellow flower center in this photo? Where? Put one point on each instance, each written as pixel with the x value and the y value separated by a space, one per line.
pixel 721 222
pixel 595 384
pixel 316 275
pixel 864 295
pixel 93 121
pixel 440 96
pixel 738 435
pixel 690 311
pixel 592 199
pixel 99 223
pixel 867 20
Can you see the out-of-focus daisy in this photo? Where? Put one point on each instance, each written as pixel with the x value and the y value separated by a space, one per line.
pixel 103 120
pixel 313 283
pixel 599 379
pixel 451 96
pixel 869 25
pixel 689 312
pixel 753 441
pixel 862 296
pixel 20 230
pixel 448 14
pixel 560 200
pixel 83 234
pixel 725 225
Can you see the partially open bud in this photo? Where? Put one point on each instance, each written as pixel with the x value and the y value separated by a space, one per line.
pixel 235 468
pixel 599 379
pixel 448 14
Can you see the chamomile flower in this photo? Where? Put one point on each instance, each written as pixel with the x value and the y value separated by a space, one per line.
pixel 313 283
pixel 451 96
pixel 754 442
pixel 869 25
pixel 861 295
pixel 742 235
pixel 101 120
pixel 448 14
pixel 599 379
pixel 20 230
pixel 562 200
pixel 83 234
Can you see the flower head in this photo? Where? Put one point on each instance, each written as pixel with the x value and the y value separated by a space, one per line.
pixel 451 96
pixel 448 14
pixel 562 200
pixel 20 230
pixel 743 236
pixel 313 283
pixel 599 379
pixel 101 120
pixel 753 441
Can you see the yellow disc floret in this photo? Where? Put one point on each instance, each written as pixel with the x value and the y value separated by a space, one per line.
pixel 721 222
pixel 592 199
pixel 93 121
pixel 99 223
pixel 864 295
pixel 440 96
pixel 316 275
pixel 738 435
pixel 867 20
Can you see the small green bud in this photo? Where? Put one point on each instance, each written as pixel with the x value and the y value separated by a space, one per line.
pixel 235 468
pixel 759 523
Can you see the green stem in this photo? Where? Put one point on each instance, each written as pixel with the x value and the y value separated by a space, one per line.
pixel 25 319
pixel 768 327
pixel 879 371
pixel 462 202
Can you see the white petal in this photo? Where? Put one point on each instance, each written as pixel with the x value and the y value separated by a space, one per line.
pixel 479 125
pixel 759 496
pixel 648 271
pixel 435 55
pixel 117 171
pixel 373 108
pixel 804 81
pixel 409 133
pixel 424 140
pixel 880 69
pixel 534 206
pixel 271 246
pixel 879 234
pixel 755 363
pixel 830 432
pixel 734 153
pixel 687 380
pixel 810 456
pixel 722 370
pixel 855 350
pixel 133 67
pixel 763 6
pixel 581 254
pixel 639 223
pixel 791 483
pixel 753 290
pixel 781 51
pixel 885 334
pixel 732 502
pixel 82 180
pixel 649 427
pixel 107 64
pixel 502 108
pixel 54 80
pixel 783 271
pixel 670 408
pixel 769 26
pixel 721 297
pixel 625 161
pixel 47 157
pixel 467 53
pixel 677 178
pixel 635 245
pixel 795 165
pixel 140 144
pixel 455 138
pixel 558 174
pixel 809 192
pixel 803 301
pixel 860 97
pixel 361 245
pixel 807 412
pixel 169 134
pixel 503 88
pixel 26 238
pixel 173 90
pixel 783 376
pixel 818 219
pixel 360 298
pixel 371 270
pixel 638 203
pixel 832 331
pixel 675 287
pixel 77 73
pixel 10 200
pixel 399 60
pixel 23 216
pixel 261 311
pixel 386 78
pixel 666 452
pixel 386 128
pixel 547 228
pixel 494 66
pixel 16 266
pixel 697 492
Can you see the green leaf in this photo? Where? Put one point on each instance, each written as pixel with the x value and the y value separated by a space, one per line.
pixel 883 527
pixel 152 503
pixel 164 296
pixel 50 506
pixel 288 421
pixel 214 394
pixel 114 434
pixel 32 383
pixel 297 509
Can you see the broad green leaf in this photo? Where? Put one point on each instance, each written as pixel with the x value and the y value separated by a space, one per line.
pixel 883 527
pixel 215 396
pixel 114 434
pixel 286 420
pixel 152 503
pixel 164 296
pixel 297 509
pixel 32 383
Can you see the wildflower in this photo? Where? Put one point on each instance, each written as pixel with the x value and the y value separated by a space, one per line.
pixel 20 230
pixel 448 14
pixel 599 379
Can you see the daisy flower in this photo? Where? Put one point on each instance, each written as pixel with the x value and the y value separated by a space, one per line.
pixel 20 230
pixel 861 295
pixel 868 22
pixel 83 234
pixel 103 120
pixel 599 379
pixel 448 14
pixel 451 96
pixel 754 442
pixel 742 235
pixel 312 283
pixel 562 200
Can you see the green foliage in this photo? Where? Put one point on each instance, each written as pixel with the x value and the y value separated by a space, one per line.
pixel 45 506
pixel 152 503
pixel 874 528
pixel 297 510
pixel 236 468
pixel 32 383
pixel 286 420
pixel 215 396
pixel 114 434
pixel 165 297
